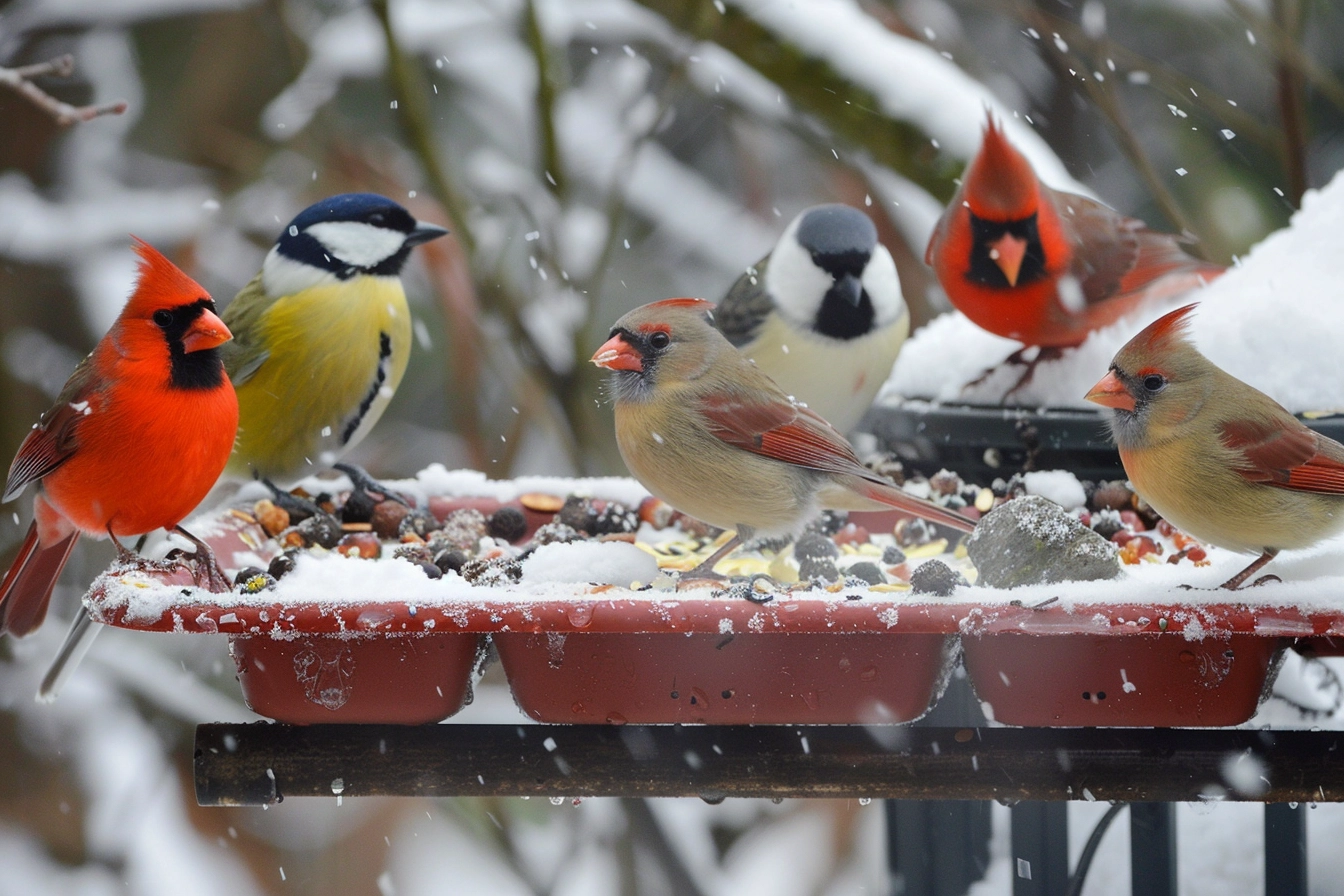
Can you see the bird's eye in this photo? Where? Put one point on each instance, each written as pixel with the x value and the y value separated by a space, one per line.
pixel 1154 382
pixel 660 340
pixel 163 317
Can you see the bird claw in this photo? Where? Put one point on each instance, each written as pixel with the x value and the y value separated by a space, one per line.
pixel 1265 580
pixel 362 481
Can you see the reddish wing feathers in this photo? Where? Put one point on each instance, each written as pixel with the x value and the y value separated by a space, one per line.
pixel 781 431
pixel 54 439
pixel 1292 457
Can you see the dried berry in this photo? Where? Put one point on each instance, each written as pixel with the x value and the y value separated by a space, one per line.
pixel 868 573
pixel 1112 495
pixel 251 580
pixel 358 507
pixel 913 531
pixel 656 512
pixel 1131 519
pixel 421 522
pixel 430 570
pixel 321 529
pixel 450 560
pixel 273 519
pixel 614 519
pixel 945 482
pixel 365 545
pixel 851 533
pixel 577 513
pixel 1107 522
pixel 463 529
pixel 282 564
pixel 507 523
pixel 556 533
pixel 935 577
pixel 495 572
pixel 387 517
pixel 892 555
pixel 818 569
pixel 813 546
pixel 416 553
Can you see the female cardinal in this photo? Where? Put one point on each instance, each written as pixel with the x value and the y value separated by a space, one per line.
pixel 1046 267
pixel 822 314
pixel 705 430
pixel 136 439
pixel 1217 458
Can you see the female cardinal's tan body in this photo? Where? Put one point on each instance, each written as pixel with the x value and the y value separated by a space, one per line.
pixel 705 430
pixel 1216 457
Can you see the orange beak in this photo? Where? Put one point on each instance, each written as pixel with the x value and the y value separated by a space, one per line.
pixel 1007 252
pixel 207 331
pixel 1111 393
pixel 617 354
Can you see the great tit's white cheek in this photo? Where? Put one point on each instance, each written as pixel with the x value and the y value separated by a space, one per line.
pixel 356 243
pixel 283 276
pixel 883 286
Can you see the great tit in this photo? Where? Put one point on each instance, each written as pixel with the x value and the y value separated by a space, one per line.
pixel 822 314
pixel 321 335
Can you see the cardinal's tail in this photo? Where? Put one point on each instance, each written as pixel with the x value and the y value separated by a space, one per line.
pixel 26 590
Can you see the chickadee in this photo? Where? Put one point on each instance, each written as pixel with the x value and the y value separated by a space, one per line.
pixel 822 314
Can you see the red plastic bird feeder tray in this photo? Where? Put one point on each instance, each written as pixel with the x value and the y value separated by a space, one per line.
pixel 607 655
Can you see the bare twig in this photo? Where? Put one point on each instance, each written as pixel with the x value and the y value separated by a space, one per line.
pixel 1292 101
pixel 1289 52
pixel 1106 99
pixel 550 148
pixel 20 80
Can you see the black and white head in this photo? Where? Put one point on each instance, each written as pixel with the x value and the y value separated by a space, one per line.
pixel 343 236
pixel 829 273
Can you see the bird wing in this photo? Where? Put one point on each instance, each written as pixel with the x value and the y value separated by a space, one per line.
pixel 55 437
pixel 1287 456
pixel 1118 255
pixel 244 354
pixel 740 315
pixel 779 430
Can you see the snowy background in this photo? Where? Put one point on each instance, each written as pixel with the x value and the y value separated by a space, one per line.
pixel 589 156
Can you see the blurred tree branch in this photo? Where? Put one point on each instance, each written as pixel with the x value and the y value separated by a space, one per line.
pixel 20 80
pixel 551 167
pixel 1289 19
pixel 816 88
pixel 408 86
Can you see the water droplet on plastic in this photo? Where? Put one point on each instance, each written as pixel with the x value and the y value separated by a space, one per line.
pixel 867 673
pixel 557 801
pixel 581 615
pixel 865 800
pixel 615 718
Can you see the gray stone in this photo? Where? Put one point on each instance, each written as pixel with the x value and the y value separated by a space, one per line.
pixel 1031 540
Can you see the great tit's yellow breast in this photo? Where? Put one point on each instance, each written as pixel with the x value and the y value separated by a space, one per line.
pixel 336 354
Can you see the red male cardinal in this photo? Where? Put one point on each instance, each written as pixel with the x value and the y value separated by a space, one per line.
pixel 136 439
pixel 1217 458
pixel 1046 267
pixel 705 430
